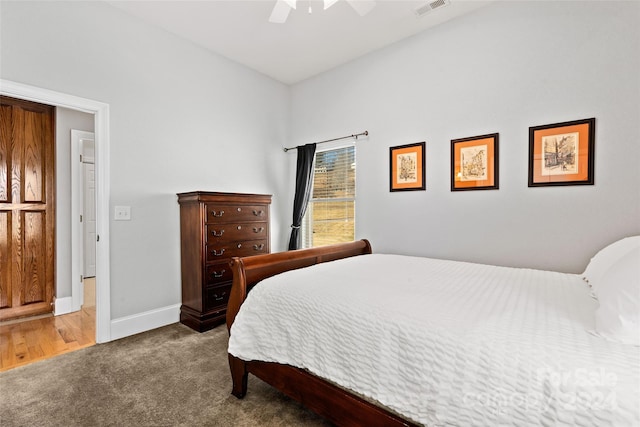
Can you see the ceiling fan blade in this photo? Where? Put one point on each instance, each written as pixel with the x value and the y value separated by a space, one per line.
pixel 280 12
pixel 362 6
pixel 329 3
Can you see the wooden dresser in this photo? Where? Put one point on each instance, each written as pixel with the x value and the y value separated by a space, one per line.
pixel 213 228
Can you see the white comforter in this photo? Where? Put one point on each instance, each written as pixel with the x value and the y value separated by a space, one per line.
pixel 446 343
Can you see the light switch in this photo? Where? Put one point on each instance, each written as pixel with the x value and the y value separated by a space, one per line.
pixel 122 213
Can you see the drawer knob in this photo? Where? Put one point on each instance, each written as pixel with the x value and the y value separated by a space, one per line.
pixel 219 298
pixel 216 253
pixel 217 275
pixel 217 233
pixel 258 229
pixel 217 214
pixel 239 227
pixel 258 213
pixel 239 245
pixel 258 247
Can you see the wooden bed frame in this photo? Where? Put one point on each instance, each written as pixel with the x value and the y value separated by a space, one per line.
pixel 326 399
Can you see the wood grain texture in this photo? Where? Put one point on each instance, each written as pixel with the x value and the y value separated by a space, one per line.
pixel 33 147
pixel 16 153
pixel 6 118
pixel 33 259
pixel 5 259
pixel 27 208
pixel 29 341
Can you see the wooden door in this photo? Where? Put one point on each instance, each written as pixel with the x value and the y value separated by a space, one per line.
pixel 27 208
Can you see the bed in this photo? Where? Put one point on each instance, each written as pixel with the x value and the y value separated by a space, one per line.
pixel 378 339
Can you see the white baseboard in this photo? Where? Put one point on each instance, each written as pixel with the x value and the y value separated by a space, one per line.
pixel 63 306
pixel 137 323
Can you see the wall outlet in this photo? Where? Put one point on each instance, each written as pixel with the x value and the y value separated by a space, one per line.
pixel 122 213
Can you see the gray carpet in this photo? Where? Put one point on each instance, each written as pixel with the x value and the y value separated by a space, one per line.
pixel 171 376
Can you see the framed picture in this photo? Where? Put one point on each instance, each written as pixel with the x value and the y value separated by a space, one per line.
pixel 562 153
pixel 407 167
pixel 474 163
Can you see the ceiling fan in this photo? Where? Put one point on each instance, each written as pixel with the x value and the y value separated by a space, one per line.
pixel 282 8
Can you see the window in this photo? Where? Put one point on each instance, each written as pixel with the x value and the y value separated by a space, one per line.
pixel 330 216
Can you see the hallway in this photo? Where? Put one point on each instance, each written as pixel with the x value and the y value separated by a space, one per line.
pixel 27 341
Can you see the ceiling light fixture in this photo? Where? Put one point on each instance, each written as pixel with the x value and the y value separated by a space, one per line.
pixel 281 10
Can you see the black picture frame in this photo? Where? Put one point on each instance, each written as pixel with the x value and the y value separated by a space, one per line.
pixel 481 169
pixel 562 153
pixel 407 167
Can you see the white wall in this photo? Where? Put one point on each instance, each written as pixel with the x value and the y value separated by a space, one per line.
pixel 501 69
pixel 181 119
pixel 66 120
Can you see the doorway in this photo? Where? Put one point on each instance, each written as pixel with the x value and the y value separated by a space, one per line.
pixel 100 111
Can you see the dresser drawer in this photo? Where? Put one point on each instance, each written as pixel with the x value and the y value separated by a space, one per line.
pixel 216 252
pixel 218 273
pixel 234 231
pixel 234 213
pixel 216 296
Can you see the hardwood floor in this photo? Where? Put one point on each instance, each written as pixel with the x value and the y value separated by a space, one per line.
pixel 26 341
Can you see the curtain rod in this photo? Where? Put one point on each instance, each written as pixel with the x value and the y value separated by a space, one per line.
pixel 365 133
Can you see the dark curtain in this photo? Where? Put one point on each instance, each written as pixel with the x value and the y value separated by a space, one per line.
pixel 304 177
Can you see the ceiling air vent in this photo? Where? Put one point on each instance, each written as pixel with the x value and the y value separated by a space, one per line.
pixel 429 6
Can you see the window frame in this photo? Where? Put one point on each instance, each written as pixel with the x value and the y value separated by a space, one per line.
pixel 306 230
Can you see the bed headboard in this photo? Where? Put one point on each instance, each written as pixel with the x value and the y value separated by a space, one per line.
pixel 248 271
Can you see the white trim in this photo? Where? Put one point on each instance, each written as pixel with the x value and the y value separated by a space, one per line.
pixel 77 237
pixel 142 322
pixel 100 111
pixel 63 306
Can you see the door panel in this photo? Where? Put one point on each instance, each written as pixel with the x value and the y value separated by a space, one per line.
pixel 33 157
pixel 89 219
pixel 33 259
pixel 5 263
pixel 5 137
pixel 27 208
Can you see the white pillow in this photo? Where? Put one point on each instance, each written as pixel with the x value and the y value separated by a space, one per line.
pixel 618 316
pixel 603 260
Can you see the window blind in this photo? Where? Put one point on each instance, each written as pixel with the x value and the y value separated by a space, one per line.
pixel 330 216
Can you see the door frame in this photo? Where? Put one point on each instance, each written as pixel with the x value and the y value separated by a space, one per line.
pixel 100 111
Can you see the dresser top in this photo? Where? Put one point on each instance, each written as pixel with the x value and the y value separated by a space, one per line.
pixel 213 196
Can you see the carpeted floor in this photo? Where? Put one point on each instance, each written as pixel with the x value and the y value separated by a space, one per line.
pixel 171 376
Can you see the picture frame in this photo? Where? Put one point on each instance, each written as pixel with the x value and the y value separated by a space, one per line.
pixel 474 163
pixel 562 153
pixel 407 167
